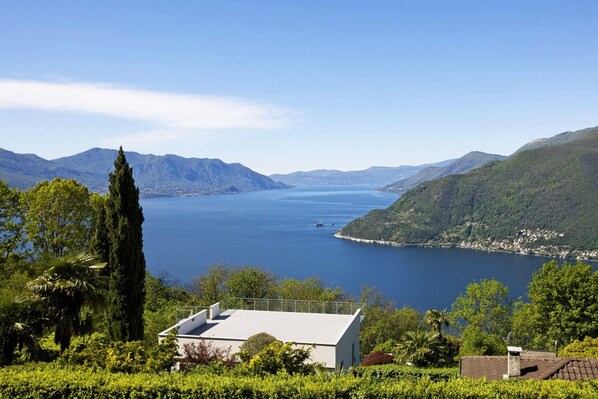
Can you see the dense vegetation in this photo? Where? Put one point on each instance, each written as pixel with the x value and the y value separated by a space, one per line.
pixel 551 192
pixel 53 382
pixel 561 311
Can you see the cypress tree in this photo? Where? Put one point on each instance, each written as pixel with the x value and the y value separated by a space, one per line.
pixel 125 259
pixel 99 245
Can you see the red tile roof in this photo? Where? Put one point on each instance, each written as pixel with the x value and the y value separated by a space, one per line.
pixel 494 367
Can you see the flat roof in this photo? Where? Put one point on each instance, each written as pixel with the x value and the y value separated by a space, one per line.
pixel 304 328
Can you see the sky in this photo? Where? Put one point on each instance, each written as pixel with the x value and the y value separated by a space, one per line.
pixel 281 86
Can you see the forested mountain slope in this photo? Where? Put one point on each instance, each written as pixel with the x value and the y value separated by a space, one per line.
pixel 542 201
pixel 466 163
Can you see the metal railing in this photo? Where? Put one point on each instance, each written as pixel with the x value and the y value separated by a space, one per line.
pixel 276 305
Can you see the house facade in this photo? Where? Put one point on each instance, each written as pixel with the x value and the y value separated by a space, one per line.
pixel 332 338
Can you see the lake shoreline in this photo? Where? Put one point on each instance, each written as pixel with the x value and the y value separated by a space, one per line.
pixel 591 256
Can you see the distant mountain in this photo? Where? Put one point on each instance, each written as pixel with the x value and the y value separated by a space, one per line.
pixel 562 138
pixel 375 176
pixel 167 175
pixel 470 161
pixel 539 201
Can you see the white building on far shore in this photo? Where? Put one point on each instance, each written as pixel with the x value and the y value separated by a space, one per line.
pixel 333 338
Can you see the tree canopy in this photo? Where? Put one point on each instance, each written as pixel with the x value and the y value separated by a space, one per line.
pixel 58 217
pixel 563 305
pixel 11 221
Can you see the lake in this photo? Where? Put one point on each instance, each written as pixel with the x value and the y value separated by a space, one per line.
pixel 276 231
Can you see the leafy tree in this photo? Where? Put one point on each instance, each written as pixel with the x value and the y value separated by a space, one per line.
pixel 310 289
pixel 58 216
pixel 436 319
pixel 485 305
pixel 484 315
pixel 527 326
pixel 210 287
pixel 564 303
pixel 250 282
pixel 475 342
pixel 67 285
pixel 126 261
pixel 11 222
pixel 161 301
pixel 384 322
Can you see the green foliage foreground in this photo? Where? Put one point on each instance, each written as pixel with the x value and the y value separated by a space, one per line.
pixel 46 382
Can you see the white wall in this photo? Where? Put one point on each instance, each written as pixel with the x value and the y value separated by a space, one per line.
pixel 186 325
pixel 347 347
pixel 319 354
pixel 324 354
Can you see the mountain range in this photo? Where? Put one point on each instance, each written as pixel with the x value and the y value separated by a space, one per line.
pixel 376 176
pixel 167 175
pixel 466 163
pixel 542 200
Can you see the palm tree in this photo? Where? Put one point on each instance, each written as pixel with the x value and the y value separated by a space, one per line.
pixel 67 285
pixel 419 348
pixel 436 319
pixel 19 321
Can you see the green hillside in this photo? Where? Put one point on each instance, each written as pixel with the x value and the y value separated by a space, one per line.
pixel 542 201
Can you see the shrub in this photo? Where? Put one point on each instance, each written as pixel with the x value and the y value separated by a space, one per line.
pixel 376 358
pixel 586 348
pixel 279 357
pixel 254 345
pixel 401 372
pixel 97 352
pixel 163 356
pixel 87 350
pixel 203 353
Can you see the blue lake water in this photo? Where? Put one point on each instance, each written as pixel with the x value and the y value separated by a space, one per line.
pixel 276 230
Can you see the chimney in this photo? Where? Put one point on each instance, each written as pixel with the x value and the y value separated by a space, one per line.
pixel 514 361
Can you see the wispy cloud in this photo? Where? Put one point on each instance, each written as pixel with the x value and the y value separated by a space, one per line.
pixel 164 110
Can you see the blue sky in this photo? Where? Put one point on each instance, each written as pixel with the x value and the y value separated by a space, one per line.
pixel 282 86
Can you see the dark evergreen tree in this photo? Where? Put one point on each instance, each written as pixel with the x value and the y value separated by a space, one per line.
pixel 99 245
pixel 125 261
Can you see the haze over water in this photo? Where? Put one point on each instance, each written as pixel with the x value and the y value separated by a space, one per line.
pixel 276 231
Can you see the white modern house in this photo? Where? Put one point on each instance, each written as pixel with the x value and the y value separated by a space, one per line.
pixel 333 338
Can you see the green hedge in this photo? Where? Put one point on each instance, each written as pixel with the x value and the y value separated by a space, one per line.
pixel 391 371
pixel 54 383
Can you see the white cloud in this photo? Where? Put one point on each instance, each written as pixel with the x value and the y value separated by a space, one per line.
pixel 165 110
